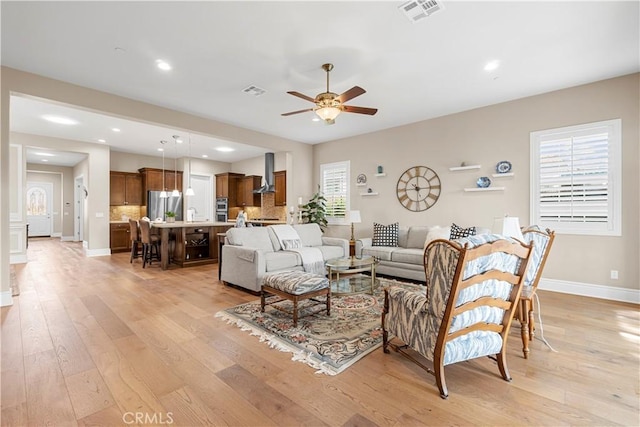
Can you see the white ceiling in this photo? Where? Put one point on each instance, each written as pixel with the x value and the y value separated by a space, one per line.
pixel 411 71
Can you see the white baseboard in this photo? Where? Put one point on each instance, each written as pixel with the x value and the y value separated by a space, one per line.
pixel 66 238
pixel 17 258
pixel 590 290
pixel 5 298
pixel 56 235
pixel 97 252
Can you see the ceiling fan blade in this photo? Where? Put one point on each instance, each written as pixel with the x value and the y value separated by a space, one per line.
pixel 351 93
pixel 359 110
pixel 296 112
pixel 299 95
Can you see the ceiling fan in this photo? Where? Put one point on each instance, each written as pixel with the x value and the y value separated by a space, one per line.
pixel 329 104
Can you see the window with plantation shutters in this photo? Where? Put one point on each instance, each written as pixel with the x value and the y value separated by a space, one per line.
pixel 334 183
pixel 576 178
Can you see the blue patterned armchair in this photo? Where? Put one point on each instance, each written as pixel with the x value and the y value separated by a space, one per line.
pixel 473 287
pixel 542 241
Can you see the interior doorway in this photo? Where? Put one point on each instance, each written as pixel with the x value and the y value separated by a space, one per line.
pixel 202 200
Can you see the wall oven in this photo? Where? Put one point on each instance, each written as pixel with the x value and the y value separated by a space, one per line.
pixel 222 209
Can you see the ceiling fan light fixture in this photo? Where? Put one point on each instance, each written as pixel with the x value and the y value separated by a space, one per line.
pixel 328 114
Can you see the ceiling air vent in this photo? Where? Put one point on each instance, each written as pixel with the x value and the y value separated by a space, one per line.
pixel 416 10
pixel 254 90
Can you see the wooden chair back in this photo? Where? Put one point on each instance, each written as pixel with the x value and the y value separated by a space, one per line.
pixel 542 241
pixel 487 267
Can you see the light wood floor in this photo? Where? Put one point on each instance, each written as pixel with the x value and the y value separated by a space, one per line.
pixel 92 340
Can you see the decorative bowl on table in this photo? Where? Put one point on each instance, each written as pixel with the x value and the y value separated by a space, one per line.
pixel 483 182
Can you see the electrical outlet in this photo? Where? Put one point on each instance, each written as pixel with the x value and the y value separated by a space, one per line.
pixel 614 274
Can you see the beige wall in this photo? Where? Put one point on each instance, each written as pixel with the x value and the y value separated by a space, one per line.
pixel 487 136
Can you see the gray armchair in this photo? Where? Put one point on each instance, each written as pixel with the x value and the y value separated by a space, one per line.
pixel 473 287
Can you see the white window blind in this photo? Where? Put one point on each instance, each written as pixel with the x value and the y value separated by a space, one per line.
pixel 576 178
pixel 334 178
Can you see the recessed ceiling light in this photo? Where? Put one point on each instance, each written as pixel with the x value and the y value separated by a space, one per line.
pixel 59 120
pixel 204 156
pixel 492 65
pixel 315 119
pixel 102 140
pixel 160 149
pixel 115 129
pixel 225 149
pixel 45 154
pixel 45 160
pixel 163 65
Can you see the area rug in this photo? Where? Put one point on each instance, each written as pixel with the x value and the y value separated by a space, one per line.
pixel 330 344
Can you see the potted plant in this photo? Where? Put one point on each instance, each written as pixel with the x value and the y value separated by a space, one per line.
pixel 170 216
pixel 315 210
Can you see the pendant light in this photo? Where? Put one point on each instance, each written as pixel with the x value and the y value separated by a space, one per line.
pixel 190 191
pixel 175 192
pixel 163 193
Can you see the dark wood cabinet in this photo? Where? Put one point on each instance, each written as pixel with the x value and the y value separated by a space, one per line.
pixel 246 196
pixel 227 186
pixel 151 180
pixel 280 183
pixel 120 238
pixel 125 188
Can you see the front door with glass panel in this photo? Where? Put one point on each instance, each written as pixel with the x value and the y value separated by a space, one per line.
pixel 39 205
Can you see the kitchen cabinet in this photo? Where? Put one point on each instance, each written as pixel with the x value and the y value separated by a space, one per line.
pixel 280 183
pixel 227 186
pixel 125 188
pixel 120 238
pixel 152 181
pixel 246 196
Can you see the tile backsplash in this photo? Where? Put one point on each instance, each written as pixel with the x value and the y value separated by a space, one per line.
pixel 123 213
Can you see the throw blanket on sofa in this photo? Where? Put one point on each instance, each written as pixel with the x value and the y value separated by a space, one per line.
pixel 289 239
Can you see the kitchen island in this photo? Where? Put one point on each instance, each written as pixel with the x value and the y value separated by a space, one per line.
pixel 189 243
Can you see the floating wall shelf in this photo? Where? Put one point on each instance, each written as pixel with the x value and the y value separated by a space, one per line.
pixel 381 174
pixel 361 185
pixel 502 175
pixel 464 168
pixel 369 194
pixel 485 189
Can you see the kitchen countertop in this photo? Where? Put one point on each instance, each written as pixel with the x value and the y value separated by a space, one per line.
pixel 261 221
pixel 182 224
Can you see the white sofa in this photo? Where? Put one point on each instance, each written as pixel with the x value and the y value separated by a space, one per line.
pixel 405 260
pixel 251 252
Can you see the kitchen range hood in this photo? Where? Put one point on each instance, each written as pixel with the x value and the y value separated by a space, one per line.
pixel 269 165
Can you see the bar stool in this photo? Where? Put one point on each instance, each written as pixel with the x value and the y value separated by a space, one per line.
pixel 150 243
pixel 136 243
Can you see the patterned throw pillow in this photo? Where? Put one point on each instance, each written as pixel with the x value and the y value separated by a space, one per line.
pixel 385 235
pixel 458 232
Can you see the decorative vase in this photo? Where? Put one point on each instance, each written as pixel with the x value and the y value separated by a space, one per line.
pixel 380 169
pixel 171 219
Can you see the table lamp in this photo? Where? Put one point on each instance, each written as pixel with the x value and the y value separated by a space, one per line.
pixel 354 218
pixel 508 226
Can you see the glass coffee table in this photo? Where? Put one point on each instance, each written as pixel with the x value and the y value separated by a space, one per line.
pixel 344 278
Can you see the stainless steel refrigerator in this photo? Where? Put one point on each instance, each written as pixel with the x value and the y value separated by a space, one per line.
pixel 157 206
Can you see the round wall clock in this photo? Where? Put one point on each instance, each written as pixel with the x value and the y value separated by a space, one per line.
pixel 418 188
